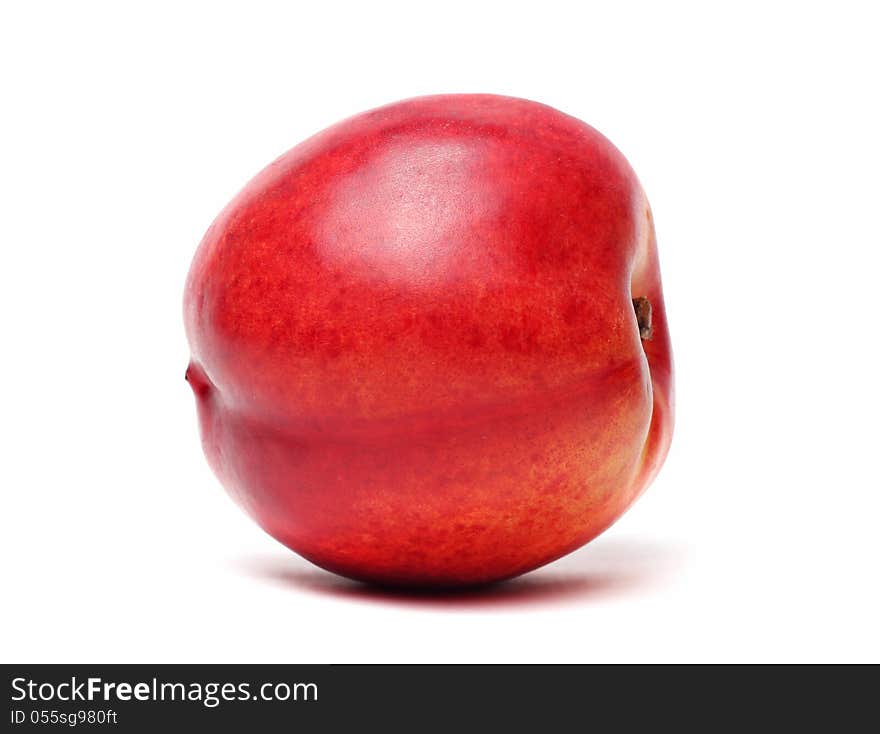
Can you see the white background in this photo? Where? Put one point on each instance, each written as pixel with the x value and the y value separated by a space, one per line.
pixel 754 130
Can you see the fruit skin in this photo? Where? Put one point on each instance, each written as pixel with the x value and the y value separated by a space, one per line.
pixel 414 348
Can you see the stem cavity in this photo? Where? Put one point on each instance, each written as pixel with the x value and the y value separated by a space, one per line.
pixel 642 307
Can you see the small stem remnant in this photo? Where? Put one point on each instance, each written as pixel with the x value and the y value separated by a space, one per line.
pixel 642 307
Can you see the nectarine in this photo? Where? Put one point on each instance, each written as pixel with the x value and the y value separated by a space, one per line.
pixel 429 345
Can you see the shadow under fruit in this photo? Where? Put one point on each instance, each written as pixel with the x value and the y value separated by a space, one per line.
pixel 429 345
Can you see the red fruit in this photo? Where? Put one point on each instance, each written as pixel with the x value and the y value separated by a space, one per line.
pixel 416 344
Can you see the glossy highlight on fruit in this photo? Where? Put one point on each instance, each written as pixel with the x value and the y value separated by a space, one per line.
pixel 429 344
